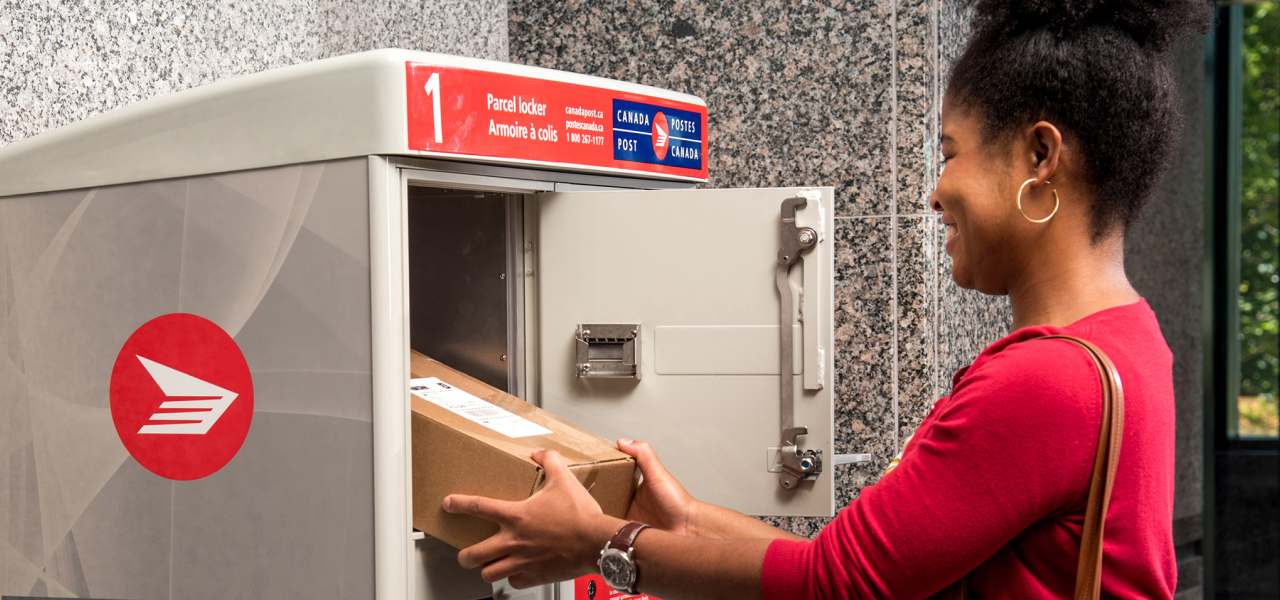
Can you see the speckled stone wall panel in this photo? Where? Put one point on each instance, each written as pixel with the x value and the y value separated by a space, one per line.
pixel 61 61
pixel 915 327
pixel 1160 251
pixel 476 28
pixel 799 93
pixel 915 280
pixel 915 53
pixel 865 412
pixel 953 32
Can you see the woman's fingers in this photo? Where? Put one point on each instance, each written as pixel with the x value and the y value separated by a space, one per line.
pixel 489 509
pixel 494 547
pixel 552 533
pixel 553 464
pixel 502 569
pixel 646 458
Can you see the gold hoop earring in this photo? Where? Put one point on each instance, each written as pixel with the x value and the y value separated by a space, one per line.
pixel 1056 202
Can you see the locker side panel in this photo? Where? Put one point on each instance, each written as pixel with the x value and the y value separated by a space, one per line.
pixel 279 259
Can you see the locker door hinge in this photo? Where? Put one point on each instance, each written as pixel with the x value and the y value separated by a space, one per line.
pixel 796 464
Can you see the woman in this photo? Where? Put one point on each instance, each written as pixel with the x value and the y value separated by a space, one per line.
pixel 1055 125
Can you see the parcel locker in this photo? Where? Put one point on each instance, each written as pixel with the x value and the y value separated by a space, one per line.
pixel 208 300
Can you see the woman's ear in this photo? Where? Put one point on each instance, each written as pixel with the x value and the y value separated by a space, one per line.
pixel 1045 148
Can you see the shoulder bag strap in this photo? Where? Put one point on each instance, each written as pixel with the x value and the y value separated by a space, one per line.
pixel 1089 567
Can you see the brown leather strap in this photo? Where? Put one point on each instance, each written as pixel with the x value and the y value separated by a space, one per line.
pixel 1089 567
pixel 626 536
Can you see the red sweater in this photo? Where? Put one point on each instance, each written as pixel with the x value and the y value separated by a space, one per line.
pixel 995 479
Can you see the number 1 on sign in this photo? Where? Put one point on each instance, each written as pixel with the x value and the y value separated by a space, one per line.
pixel 433 90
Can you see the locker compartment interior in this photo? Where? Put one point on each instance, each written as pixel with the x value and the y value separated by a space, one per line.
pixel 459 298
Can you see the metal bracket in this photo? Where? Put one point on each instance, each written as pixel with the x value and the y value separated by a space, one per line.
pixel 794 242
pixel 608 350
pixel 850 459
pixel 797 465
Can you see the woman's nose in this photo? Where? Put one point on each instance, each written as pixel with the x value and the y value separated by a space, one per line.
pixel 933 201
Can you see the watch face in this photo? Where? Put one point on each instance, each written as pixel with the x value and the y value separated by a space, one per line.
pixel 617 569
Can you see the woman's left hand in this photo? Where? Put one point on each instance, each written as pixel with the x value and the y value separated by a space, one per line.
pixel 554 535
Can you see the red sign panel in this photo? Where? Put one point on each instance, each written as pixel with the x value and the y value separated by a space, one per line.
pixel 181 396
pixel 498 115
pixel 593 587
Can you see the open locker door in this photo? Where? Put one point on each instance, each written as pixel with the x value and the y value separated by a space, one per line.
pixel 658 319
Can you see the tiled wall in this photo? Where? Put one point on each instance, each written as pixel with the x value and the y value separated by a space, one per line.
pixel 63 61
pixel 835 93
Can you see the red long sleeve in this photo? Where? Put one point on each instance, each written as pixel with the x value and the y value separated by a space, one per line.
pixel 994 481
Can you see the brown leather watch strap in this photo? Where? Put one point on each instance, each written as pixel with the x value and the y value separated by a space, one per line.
pixel 626 536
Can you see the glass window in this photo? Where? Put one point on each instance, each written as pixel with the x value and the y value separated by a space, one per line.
pixel 1257 412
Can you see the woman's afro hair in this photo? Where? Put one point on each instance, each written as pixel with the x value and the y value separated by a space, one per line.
pixel 1098 69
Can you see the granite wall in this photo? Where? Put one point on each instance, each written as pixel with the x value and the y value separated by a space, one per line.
pixel 63 61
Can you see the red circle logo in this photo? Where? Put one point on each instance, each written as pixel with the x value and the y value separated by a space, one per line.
pixel 661 136
pixel 181 396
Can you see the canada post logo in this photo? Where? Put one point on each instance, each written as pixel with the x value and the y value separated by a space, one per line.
pixel 657 135
pixel 660 135
pixel 181 396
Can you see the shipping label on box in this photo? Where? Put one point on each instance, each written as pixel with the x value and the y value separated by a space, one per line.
pixel 460 403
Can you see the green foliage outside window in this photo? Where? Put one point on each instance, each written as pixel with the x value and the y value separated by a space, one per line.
pixel 1259 300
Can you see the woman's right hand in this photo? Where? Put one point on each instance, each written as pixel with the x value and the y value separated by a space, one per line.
pixel 660 500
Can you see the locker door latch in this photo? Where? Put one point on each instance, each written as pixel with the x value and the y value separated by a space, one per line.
pixel 796 464
pixel 608 351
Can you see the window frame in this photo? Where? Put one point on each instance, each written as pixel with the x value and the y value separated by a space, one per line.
pixel 1222 233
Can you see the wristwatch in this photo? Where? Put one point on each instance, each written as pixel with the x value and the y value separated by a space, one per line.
pixel 617 558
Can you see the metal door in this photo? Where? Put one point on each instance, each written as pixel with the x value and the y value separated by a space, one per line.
pixel 693 273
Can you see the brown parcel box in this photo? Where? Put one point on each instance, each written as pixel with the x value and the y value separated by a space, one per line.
pixel 452 454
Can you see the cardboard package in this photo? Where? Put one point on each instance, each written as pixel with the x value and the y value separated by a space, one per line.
pixel 471 438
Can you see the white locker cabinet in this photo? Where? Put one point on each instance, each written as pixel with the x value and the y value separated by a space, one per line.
pixel 243 268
